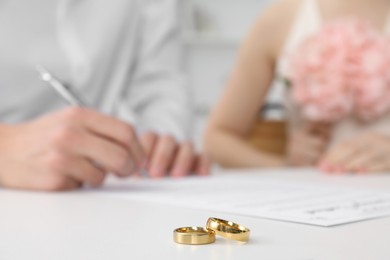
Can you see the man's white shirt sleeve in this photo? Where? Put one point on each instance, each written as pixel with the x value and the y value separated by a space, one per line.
pixel 158 93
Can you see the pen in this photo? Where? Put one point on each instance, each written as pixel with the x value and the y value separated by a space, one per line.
pixel 63 90
pixel 67 93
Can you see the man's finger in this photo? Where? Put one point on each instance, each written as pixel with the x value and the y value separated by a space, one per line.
pixel 115 130
pixel 148 142
pixel 47 182
pixel 202 165
pixel 71 184
pixel 163 156
pixel 85 171
pixel 108 155
pixel 184 160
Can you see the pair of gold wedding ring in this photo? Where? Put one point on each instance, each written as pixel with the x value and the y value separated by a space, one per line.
pixel 214 226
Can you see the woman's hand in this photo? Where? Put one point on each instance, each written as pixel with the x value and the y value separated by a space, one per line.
pixel 308 144
pixel 369 152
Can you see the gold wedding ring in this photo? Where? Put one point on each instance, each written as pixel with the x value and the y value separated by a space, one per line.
pixel 193 236
pixel 228 229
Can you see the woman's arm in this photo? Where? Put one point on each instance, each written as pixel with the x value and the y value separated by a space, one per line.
pixel 235 114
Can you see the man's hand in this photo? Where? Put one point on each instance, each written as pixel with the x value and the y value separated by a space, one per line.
pixel 67 149
pixel 167 157
pixel 365 153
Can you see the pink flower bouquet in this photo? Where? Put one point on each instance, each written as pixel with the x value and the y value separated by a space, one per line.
pixel 343 70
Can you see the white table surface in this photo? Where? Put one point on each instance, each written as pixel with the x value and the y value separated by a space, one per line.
pixel 93 225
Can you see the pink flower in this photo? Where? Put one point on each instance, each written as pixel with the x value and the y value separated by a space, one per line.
pixel 343 70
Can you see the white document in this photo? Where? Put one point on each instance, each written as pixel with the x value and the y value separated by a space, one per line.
pixel 292 201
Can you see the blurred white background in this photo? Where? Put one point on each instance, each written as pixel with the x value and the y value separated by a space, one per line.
pixel 213 31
